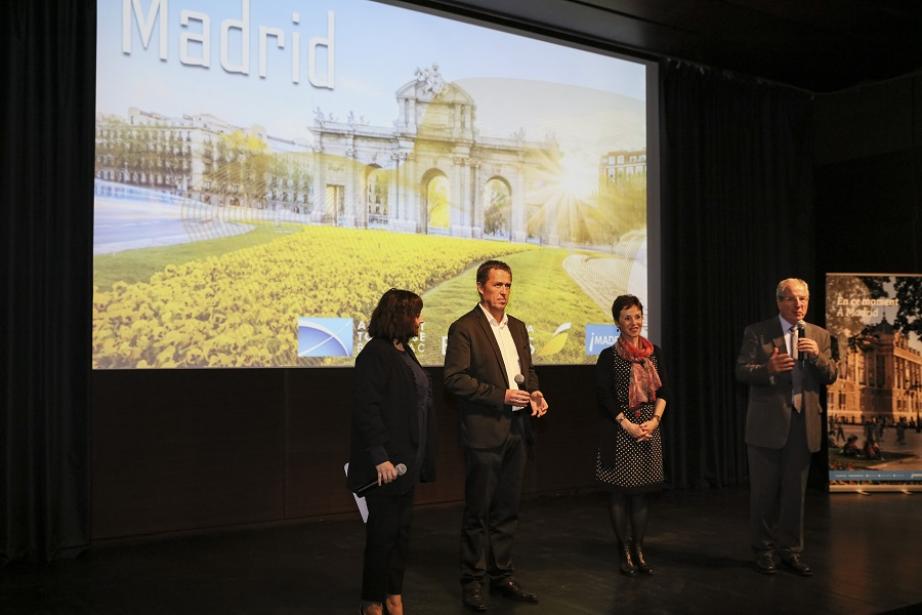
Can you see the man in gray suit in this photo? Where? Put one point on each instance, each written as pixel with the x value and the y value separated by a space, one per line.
pixel 785 361
pixel 488 369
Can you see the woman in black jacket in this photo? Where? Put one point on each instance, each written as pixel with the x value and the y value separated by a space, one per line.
pixel 392 424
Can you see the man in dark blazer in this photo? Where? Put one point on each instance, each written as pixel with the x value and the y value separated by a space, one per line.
pixel 489 371
pixel 786 362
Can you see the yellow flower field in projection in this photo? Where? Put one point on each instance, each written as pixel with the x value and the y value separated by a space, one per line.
pixel 240 309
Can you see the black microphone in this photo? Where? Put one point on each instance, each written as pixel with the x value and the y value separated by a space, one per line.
pixel 801 334
pixel 361 491
pixel 519 381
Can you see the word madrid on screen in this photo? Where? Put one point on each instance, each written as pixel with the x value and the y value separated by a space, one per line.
pixel 195 48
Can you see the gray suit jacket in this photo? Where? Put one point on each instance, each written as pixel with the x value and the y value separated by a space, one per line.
pixel 768 415
pixel 476 376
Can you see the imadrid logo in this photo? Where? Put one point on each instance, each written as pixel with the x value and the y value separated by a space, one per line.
pixel 599 337
pixel 325 337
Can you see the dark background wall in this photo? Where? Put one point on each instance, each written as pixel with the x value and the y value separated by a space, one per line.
pixel 193 449
pixel 869 178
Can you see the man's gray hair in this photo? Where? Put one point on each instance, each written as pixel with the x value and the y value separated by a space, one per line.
pixel 779 291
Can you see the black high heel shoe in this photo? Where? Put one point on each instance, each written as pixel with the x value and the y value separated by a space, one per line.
pixel 627 562
pixel 640 560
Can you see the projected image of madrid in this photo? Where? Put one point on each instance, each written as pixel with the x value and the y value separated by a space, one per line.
pixel 232 204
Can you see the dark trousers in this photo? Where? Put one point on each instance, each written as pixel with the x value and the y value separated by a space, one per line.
pixel 777 482
pixel 492 493
pixel 387 537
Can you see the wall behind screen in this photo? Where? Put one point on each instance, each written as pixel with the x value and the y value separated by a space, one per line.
pixel 177 450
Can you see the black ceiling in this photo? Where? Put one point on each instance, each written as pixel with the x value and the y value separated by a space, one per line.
pixel 817 45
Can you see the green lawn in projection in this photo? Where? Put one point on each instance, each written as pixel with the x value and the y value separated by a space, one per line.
pixel 224 303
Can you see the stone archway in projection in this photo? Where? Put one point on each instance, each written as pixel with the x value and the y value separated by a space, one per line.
pixel 376 193
pixel 436 165
pixel 436 202
pixel 497 214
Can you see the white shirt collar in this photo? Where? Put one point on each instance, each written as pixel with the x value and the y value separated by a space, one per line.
pixel 493 322
pixel 785 325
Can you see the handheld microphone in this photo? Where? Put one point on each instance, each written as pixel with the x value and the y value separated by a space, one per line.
pixel 361 491
pixel 520 382
pixel 801 334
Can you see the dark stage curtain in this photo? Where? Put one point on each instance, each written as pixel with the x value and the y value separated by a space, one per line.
pixel 46 188
pixel 737 203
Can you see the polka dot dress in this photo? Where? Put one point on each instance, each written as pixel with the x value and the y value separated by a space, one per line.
pixel 638 466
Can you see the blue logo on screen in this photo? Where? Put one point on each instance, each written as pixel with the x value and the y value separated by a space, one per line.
pixel 324 337
pixel 599 337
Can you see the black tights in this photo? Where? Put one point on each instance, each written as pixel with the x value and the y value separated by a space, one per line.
pixel 625 509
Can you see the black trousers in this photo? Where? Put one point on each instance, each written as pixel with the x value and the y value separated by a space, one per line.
pixel 492 494
pixel 387 538
pixel 777 483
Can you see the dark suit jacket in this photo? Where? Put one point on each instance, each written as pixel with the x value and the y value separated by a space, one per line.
pixel 385 422
pixel 476 376
pixel 768 416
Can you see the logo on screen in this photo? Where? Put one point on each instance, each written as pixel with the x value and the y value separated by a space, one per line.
pixel 324 337
pixel 557 341
pixel 599 337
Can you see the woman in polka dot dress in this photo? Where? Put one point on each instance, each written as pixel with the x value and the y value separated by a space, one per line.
pixel 629 382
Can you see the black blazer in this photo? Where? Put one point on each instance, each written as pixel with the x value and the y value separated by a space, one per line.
pixel 476 376
pixel 385 422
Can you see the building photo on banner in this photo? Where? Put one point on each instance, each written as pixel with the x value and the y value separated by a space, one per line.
pixel 265 171
pixel 873 409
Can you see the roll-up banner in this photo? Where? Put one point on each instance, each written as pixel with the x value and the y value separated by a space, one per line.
pixel 874 407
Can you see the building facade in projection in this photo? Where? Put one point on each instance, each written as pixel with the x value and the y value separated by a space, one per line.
pixel 432 172
pixel 203 158
pixel 617 166
pixel 880 377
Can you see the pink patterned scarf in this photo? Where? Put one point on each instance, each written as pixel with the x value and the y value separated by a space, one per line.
pixel 644 378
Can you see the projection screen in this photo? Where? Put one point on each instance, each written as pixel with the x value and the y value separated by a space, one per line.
pixel 266 170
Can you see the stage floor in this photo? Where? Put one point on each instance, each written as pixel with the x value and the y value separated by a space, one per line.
pixel 865 551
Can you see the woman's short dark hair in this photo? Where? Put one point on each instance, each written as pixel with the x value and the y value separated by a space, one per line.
pixel 395 315
pixel 622 302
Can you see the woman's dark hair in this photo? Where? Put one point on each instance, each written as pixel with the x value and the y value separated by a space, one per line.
pixel 622 302
pixel 395 315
